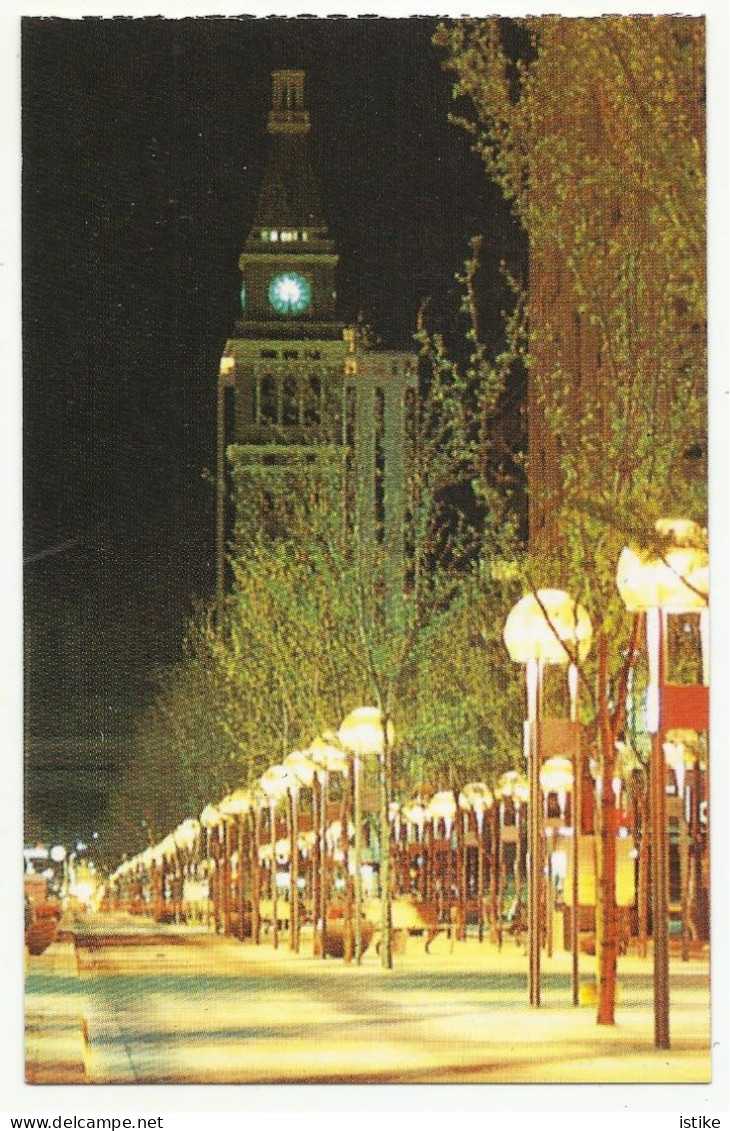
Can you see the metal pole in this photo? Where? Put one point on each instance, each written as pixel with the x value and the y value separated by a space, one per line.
pixel 316 867
pixel 684 870
pixel 358 857
pixel 535 872
pixel 577 820
pixel 386 946
pixel 227 877
pixel 502 877
pixel 294 869
pixel 323 863
pixel 480 872
pixel 660 884
pixel 256 877
pixel 274 891
pixel 241 877
pixel 547 880
pixel 517 865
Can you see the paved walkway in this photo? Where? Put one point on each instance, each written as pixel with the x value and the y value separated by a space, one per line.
pixel 170 1005
pixel 55 1006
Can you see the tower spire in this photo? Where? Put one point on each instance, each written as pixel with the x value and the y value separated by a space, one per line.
pixel 288 111
pixel 289 198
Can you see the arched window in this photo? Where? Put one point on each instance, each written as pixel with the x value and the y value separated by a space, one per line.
pixel 290 408
pixel 267 401
pixel 313 407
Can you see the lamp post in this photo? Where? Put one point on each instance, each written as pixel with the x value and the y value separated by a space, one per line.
pixel 274 784
pixel 301 771
pixel 330 759
pixel 362 733
pixel 238 805
pixel 415 815
pixel 546 627
pixel 185 837
pixel 513 786
pixel 556 778
pixel 671 578
pixel 679 755
pixel 442 807
pixel 478 797
pixel 210 819
pixel 394 819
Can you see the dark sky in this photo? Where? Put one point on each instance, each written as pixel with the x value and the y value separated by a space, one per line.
pixel 143 149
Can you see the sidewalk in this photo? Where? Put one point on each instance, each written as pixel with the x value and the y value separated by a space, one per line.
pixel 186 1006
pixel 54 1017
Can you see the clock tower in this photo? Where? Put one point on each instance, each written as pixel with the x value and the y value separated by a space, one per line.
pixel 281 392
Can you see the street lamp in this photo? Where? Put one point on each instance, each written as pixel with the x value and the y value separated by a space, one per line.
pixel 442 807
pixel 365 733
pixel 210 820
pixel 672 578
pixel 274 784
pixel 185 837
pixel 415 815
pixel 478 797
pixel 545 627
pixel 238 806
pixel 301 771
pixel 394 819
pixel 330 759
pixel 556 778
pixel 512 786
pixel 361 732
pixel 682 751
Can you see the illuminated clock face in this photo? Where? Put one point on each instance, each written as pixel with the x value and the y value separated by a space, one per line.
pixel 289 293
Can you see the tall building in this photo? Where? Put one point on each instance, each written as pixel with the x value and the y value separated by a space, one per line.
pixel 298 393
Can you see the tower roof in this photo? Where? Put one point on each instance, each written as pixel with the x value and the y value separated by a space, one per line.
pixel 289 196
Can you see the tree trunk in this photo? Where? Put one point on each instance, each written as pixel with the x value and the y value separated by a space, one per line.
pixel 256 878
pixel 316 869
pixel 386 918
pixel 606 911
pixel 461 863
pixel 494 866
pixel 345 810
pixel 241 877
pixel 323 866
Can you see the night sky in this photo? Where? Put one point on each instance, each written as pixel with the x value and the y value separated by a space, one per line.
pixel 143 149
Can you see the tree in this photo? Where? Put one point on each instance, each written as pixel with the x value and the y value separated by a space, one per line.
pixel 594 129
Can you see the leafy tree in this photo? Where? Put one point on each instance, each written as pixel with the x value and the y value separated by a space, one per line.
pixel 594 129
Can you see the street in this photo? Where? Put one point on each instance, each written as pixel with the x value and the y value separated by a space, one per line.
pixel 119 1000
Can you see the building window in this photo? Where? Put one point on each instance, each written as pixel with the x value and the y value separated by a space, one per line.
pixel 313 355
pixel 267 401
pixel 269 353
pixel 291 355
pixel 290 408
pixel 313 407
pixel 410 422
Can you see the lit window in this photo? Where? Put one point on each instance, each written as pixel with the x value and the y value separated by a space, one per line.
pixel 305 237
pixel 273 236
pixel 264 235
